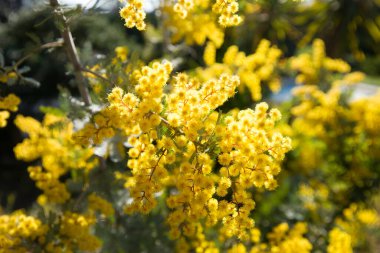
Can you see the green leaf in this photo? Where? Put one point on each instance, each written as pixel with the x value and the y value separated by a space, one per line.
pixel 23 70
pixel 60 25
pixel 43 21
pixel 30 81
pixel 34 38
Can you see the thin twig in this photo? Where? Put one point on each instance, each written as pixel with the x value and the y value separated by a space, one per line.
pixel 72 53
pixel 97 75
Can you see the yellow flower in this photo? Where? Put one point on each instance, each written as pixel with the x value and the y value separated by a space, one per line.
pixel 19 231
pixel 121 53
pixel 97 203
pixel 339 242
pixel 209 54
pixel 4 115
pixel 10 102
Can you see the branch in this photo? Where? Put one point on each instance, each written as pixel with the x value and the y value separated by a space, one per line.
pixel 72 53
pixel 35 50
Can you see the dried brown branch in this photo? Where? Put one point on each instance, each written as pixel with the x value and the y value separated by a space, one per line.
pixel 71 52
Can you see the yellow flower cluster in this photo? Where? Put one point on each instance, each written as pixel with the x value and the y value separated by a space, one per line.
pixel 48 182
pixel 182 7
pixel 176 136
pixel 194 29
pixel 325 111
pixel 227 10
pixel 237 248
pixel 199 242
pixel 75 228
pixel 339 242
pixel 18 232
pixel 314 67
pixel 119 72
pixel 209 55
pixel 187 114
pixel 97 203
pixel 284 240
pixel 349 79
pixel 322 118
pixel 196 21
pixel 313 195
pixel 133 14
pixel 8 103
pixel 322 110
pixel 317 110
pixel 281 239
pixel 46 139
pixel 366 112
pixel 253 70
pixel 356 219
pixel 129 112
